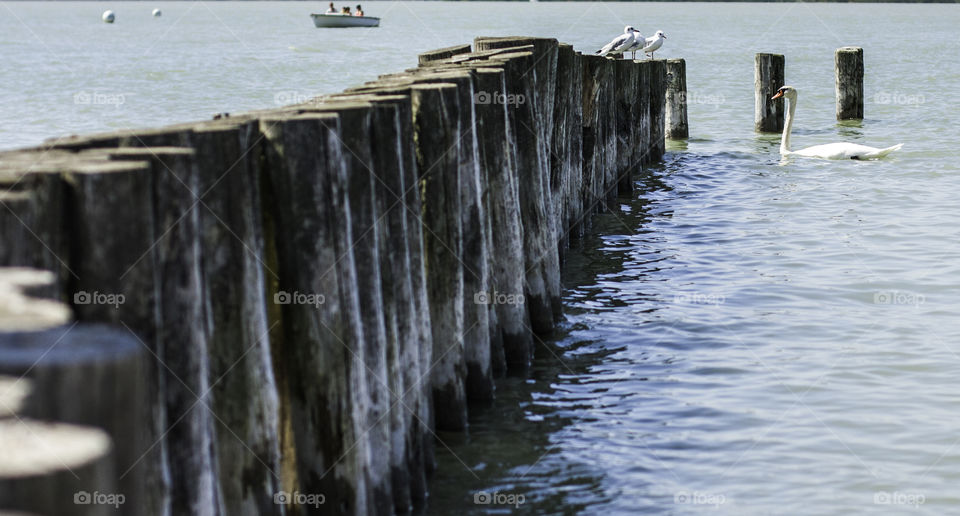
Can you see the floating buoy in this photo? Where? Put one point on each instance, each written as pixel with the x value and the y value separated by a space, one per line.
pixel 108 16
pixel 157 13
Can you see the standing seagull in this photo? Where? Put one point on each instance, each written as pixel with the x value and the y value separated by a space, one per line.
pixel 621 42
pixel 638 43
pixel 653 43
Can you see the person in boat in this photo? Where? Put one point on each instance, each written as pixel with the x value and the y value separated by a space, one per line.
pixel 359 11
pixel 332 9
pixel 345 10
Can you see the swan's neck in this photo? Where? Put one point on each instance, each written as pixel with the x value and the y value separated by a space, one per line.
pixel 788 126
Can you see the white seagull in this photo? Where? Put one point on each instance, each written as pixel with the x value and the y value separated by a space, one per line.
pixel 621 42
pixel 653 43
pixel 638 43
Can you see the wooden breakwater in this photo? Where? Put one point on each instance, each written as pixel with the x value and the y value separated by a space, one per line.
pixel 297 299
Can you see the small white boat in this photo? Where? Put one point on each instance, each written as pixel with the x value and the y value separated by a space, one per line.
pixel 344 20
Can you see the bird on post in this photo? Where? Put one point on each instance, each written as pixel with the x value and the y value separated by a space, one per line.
pixel 653 43
pixel 622 42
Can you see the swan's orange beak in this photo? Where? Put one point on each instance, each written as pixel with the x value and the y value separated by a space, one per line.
pixel 778 95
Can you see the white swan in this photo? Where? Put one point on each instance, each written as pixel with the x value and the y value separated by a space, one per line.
pixel 840 150
pixel 621 42
pixel 653 43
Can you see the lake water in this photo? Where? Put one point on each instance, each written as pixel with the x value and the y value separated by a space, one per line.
pixel 742 336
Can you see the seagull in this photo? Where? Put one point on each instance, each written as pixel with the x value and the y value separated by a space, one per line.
pixel 653 43
pixel 621 42
pixel 638 43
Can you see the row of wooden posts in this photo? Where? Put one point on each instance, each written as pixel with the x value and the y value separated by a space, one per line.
pixel 769 77
pixel 273 313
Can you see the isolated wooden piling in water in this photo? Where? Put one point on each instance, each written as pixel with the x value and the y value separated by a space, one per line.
pixel 848 67
pixel 306 206
pixel 768 77
pixel 676 108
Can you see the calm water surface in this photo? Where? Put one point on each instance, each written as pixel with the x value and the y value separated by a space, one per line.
pixel 742 336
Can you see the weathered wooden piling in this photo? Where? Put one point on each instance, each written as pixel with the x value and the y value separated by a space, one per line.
pixel 306 207
pixel 630 119
pixel 339 276
pixel 768 77
pixel 655 80
pixel 61 371
pixel 566 157
pixel 532 129
pixel 599 132
pixel 848 68
pixel 443 53
pixel 55 468
pixel 435 120
pixel 226 199
pixel 30 200
pixel 676 110
pixel 183 331
pixel 91 376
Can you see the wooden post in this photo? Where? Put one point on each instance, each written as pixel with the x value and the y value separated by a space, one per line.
pixel 599 132
pixel 503 209
pixel 676 109
pixel 306 208
pixel 655 79
pixel 630 118
pixel 442 53
pixel 31 221
pixel 89 375
pixel 70 372
pixel 536 207
pixel 540 98
pixel 567 144
pixel 768 77
pixel 55 468
pixel 848 64
pixel 366 233
pixel 435 121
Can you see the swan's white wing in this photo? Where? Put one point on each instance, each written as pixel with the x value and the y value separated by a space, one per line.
pixel 843 150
